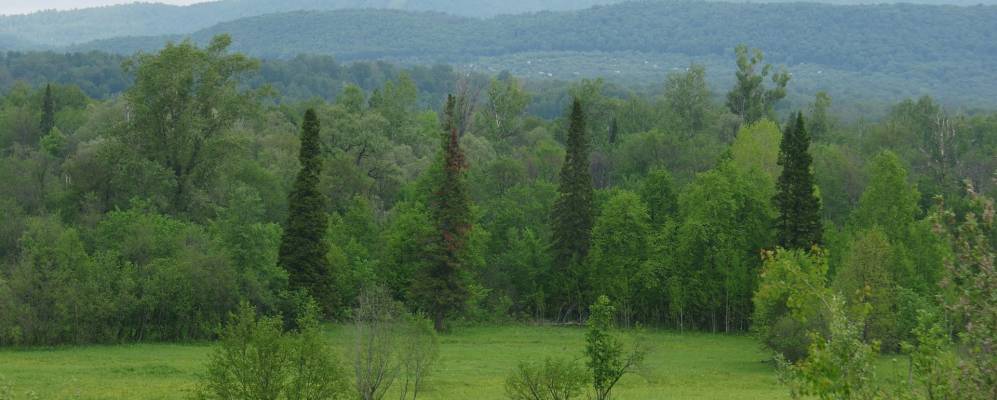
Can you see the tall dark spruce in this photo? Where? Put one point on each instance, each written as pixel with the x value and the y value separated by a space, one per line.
pixel 48 112
pixel 303 250
pixel 572 218
pixel 799 221
pixel 443 286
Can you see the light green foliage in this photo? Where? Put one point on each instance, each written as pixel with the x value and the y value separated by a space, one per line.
pixel 183 100
pixel 407 239
pixel 889 200
pixel 252 246
pixel 607 360
pixel 658 191
pixel 932 362
pixel 788 301
pixel 504 110
pixel 258 359
pixel 757 147
pixel 838 367
pixel 973 277
pixel 866 285
pixel 359 144
pixel 687 100
pixel 553 379
pixel 396 102
pixel 750 99
pixel 7 392
pixel 726 220
pixel 891 203
pixel 54 142
pixel 184 282
pixel 619 249
pixel 49 288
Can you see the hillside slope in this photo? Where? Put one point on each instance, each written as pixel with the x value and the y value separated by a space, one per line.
pixel 59 28
pixel 875 38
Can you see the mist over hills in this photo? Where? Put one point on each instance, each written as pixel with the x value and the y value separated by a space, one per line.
pixel 60 28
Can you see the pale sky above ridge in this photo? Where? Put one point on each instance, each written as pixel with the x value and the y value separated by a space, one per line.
pixel 8 7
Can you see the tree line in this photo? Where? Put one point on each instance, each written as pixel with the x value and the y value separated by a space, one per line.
pixel 153 215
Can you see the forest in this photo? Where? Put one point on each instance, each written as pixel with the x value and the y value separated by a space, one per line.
pixel 862 52
pixel 195 193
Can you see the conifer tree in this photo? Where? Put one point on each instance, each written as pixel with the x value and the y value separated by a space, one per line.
pixel 573 214
pixel 303 250
pixel 48 112
pixel 798 225
pixel 442 287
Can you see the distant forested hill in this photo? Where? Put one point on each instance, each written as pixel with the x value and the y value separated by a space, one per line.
pixel 61 28
pixel 876 38
pixel 55 28
pixel 861 52
pixel 874 52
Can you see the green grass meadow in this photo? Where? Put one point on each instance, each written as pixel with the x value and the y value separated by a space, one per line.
pixel 473 365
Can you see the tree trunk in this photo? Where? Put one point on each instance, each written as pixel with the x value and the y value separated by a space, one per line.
pixel 438 322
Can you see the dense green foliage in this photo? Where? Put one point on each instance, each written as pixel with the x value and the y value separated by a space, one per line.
pixel 304 77
pixel 572 218
pixel 442 287
pixel 798 225
pixel 159 211
pixel 303 248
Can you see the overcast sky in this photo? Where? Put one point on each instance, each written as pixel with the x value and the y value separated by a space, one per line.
pixel 26 6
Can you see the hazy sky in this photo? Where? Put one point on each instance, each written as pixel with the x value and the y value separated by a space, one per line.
pixel 26 6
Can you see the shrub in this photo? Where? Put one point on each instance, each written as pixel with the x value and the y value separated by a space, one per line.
pixel 258 359
pixel 787 303
pixel 391 344
pixel 839 365
pixel 607 361
pixel 554 379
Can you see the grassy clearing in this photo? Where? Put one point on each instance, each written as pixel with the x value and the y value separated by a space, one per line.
pixel 474 363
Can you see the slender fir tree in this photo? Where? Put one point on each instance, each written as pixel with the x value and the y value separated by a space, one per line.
pixel 572 216
pixel 303 249
pixel 48 112
pixel 799 222
pixel 442 287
